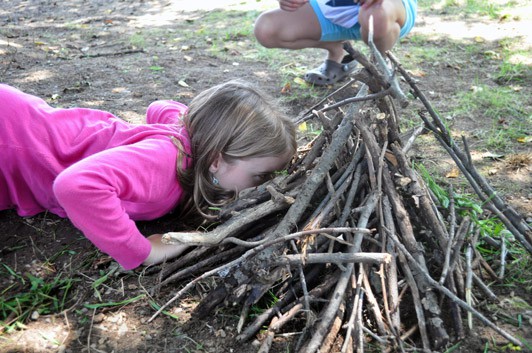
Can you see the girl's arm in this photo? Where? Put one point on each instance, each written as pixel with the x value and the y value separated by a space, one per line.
pixel 104 193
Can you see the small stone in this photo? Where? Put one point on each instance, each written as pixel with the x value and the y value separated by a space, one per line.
pixel 99 318
pixel 34 315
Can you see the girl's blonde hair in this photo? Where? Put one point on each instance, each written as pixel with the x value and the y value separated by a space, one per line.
pixel 238 121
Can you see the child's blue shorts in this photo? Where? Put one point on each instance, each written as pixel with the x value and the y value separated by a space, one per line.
pixel 331 32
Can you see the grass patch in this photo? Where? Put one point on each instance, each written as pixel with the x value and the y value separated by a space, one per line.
pixel 504 138
pixel 137 40
pixel 422 50
pixel 266 302
pixel 513 68
pixel 32 294
pixel 504 106
pixel 222 27
pixel 468 7
pixel 291 66
pixel 512 73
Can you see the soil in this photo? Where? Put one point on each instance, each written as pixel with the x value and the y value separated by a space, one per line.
pixel 120 56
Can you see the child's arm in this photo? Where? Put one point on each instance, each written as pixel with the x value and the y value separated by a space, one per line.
pixel 103 194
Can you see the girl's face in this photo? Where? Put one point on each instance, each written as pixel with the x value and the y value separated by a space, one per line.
pixel 245 173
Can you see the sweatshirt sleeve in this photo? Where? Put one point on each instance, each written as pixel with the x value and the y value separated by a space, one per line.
pixel 95 191
pixel 165 112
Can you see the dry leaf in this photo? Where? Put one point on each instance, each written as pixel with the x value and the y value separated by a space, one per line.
pixel 286 88
pixel 403 181
pixel 182 83
pixel 300 81
pixel 417 73
pixel 390 157
pixel 454 173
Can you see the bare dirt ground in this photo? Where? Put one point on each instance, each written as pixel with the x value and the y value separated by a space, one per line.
pixel 120 56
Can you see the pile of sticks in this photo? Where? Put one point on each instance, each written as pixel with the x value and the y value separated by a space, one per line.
pixel 350 249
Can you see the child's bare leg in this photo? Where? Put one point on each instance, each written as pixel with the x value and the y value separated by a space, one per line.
pixel 388 18
pixel 297 29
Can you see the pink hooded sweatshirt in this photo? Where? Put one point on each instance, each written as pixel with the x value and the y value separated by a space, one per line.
pixel 92 167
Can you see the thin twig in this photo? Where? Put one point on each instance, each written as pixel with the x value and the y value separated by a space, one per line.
pixel 348 338
pixel 453 297
pixel 469 284
pixel 114 53
pixel 305 116
pixel 335 258
pixel 452 227
pixel 415 134
pixel 488 292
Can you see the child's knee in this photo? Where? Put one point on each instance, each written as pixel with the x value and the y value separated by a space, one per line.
pixel 384 21
pixel 265 31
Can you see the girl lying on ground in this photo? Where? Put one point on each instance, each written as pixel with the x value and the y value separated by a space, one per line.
pixel 104 173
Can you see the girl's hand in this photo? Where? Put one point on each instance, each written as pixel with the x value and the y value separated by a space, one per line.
pixel 161 252
pixel 291 5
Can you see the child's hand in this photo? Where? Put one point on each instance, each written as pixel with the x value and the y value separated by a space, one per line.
pixel 161 252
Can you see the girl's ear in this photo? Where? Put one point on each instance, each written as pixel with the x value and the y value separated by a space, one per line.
pixel 213 168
